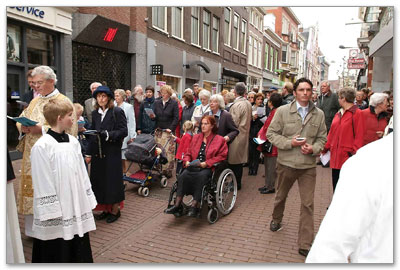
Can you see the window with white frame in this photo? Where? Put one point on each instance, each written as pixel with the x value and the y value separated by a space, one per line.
pixel 250 57
pixel 293 59
pixel 276 60
pixel 215 34
pixel 177 21
pixel 227 26
pixel 159 17
pixel 251 16
pixel 259 54
pixel 261 23
pixel 195 25
pixel 255 43
pixel 206 29
pixel 271 58
pixel 285 26
pixel 243 31
pixel 266 58
pixel 284 53
pixel 235 33
pixel 294 39
pixel 255 20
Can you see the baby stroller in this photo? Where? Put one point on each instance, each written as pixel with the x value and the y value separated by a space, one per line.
pixel 144 151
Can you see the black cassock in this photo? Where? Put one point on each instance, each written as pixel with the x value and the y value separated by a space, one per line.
pixel 106 167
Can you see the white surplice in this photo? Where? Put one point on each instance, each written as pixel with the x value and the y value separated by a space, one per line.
pixel 63 196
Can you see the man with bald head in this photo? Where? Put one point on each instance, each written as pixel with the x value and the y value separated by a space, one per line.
pixel 90 102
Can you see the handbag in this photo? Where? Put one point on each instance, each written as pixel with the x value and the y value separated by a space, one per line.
pixel 266 147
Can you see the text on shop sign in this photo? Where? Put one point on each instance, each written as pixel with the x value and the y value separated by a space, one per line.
pixel 31 10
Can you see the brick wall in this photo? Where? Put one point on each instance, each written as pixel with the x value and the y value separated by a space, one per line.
pixel 138 16
pixel 118 14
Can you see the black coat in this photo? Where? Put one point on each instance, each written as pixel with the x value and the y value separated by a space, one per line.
pixel 166 116
pixel 106 173
pixel 146 124
pixel 187 113
pixel 226 126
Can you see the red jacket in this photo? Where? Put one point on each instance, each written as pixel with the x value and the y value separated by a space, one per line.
pixel 216 149
pixel 184 143
pixel 262 134
pixel 342 142
pixel 373 123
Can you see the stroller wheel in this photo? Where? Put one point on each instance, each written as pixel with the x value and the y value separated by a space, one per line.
pixel 140 190
pixel 164 182
pixel 145 191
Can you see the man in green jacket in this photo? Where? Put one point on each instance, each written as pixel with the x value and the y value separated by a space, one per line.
pixel 298 131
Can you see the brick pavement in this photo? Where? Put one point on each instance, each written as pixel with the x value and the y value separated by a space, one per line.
pixel 144 234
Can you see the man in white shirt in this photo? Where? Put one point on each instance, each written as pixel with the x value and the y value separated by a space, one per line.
pixel 358 226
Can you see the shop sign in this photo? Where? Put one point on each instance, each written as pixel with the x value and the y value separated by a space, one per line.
pixel 156 69
pixel 356 65
pixel 356 61
pixel 31 11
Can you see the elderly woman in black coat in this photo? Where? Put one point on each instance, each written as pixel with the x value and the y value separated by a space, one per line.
pixel 104 154
pixel 226 127
pixel 167 117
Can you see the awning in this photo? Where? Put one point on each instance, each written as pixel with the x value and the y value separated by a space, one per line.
pixel 199 63
pixel 234 73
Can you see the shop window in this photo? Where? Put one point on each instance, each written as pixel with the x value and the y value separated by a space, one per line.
pixel 210 86
pixel 40 47
pixel 174 82
pixel 13 43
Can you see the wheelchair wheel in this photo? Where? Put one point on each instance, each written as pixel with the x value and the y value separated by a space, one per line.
pixel 139 191
pixel 212 215
pixel 145 191
pixel 226 192
pixel 164 182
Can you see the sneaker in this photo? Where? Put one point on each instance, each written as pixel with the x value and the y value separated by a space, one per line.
pixel 304 252
pixel 275 226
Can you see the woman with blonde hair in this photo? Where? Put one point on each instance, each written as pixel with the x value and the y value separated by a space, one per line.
pixel 166 112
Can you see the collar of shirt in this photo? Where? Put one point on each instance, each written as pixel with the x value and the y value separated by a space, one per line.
pixel 102 113
pixel 218 114
pixel 302 110
pixel 55 92
pixel 164 102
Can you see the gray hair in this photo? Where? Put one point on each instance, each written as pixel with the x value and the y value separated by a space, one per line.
pixel 251 93
pixel 348 93
pixel 93 84
pixel 219 99
pixel 121 92
pixel 205 93
pixel 47 71
pixel 377 99
pixel 327 83
pixel 240 88
pixel 137 87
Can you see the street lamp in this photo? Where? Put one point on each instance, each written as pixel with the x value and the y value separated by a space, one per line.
pixel 343 47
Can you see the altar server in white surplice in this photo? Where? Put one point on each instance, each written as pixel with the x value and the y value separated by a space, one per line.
pixel 63 196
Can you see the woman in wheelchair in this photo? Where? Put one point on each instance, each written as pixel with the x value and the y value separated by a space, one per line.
pixel 206 149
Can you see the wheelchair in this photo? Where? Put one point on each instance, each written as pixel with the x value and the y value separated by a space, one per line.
pixel 219 194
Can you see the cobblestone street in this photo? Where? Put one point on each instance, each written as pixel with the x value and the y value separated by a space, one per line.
pixel 144 234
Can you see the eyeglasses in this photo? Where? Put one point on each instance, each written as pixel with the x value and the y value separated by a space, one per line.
pixel 38 82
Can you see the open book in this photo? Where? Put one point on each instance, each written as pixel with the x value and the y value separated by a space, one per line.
pixel 23 121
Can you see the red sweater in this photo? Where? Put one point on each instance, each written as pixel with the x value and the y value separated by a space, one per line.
pixel 372 125
pixel 342 142
pixel 184 143
pixel 216 149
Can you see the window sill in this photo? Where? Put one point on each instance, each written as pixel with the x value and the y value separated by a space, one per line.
pixel 196 45
pixel 160 30
pixel 217 53
pixel 178 38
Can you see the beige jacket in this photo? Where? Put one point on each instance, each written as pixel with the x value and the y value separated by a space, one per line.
pixel 241 115
pixel 286 124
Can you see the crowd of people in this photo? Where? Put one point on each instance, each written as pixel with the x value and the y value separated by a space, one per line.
pixel 287 130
